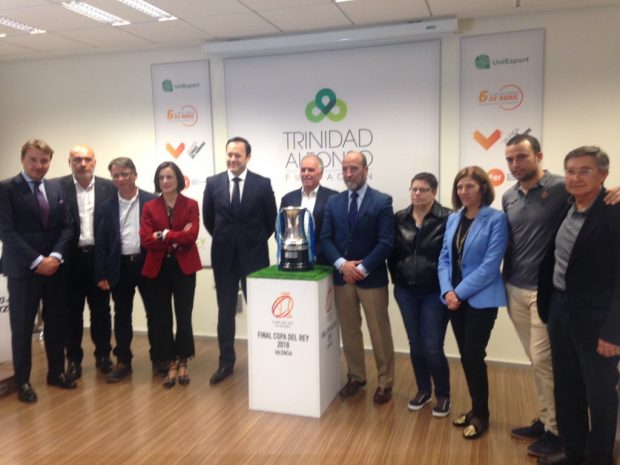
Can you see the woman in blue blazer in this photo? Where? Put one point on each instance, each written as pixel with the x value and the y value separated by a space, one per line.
pixel 471 284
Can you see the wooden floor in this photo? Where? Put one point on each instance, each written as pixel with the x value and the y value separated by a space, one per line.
pixel 137 421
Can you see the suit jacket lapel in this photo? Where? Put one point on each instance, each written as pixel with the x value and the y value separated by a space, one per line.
pixel 27 195
pixel 588 228
pixel 476 227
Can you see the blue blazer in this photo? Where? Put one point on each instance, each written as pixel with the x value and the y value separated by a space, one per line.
pixel 22 232
pixel 482 285
pixel 293 199
pixel 243 236
pixel 371 239
pixel 108 232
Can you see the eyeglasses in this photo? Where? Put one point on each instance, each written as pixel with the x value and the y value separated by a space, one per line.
pixel 582 173
pixel 419 190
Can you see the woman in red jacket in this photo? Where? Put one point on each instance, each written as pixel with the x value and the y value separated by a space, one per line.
pixel 168 231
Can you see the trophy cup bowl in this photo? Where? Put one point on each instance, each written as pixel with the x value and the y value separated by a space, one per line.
pixel 293 240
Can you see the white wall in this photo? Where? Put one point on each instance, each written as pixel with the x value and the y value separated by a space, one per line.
pixel 105 101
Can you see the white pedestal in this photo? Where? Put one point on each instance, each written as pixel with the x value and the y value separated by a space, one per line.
pixel 293 345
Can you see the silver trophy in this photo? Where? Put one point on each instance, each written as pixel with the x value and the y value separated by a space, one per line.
pixel 295 235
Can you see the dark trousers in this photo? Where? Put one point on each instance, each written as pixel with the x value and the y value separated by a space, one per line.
pixel 584 380
pixel 170 284
pixel 24 297
pixel 227 290
pixel 122 294
pixel 81 287
pixel 426 321
pixel 472 330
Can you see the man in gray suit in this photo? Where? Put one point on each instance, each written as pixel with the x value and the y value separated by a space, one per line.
pixel 35 228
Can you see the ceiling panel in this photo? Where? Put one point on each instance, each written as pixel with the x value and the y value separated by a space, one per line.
pixel 10 49
pixel 196 8
pixel 306 18
pixel 167 31
pixel 373 12
pixel 233 26
pixel 459 7
pixel 260 5
pixel 47 43
pixel 106 37
pixel 8 4
pixel 51 18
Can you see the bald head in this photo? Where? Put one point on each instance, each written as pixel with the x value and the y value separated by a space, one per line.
pixel 354 170
pixel 82 162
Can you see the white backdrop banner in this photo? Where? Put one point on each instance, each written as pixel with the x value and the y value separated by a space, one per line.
pixel 184 129
pixel 382 100
pixel 501 95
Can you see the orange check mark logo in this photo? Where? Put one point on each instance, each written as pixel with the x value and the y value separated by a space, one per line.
pixel 175 152
pixel 487 142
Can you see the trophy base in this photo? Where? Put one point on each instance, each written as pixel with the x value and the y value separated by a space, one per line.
pixel 295 261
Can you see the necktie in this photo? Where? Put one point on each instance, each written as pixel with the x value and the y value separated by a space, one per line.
pixel 235 201
pixel 42 201
pixel 353 209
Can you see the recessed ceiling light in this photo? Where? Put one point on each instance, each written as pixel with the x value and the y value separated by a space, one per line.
pixel 95 13
pixel 20 26
pixel 149 9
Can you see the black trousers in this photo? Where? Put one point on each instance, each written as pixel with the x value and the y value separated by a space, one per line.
pixel 170 284
pixel 584 381
pixel 24 297
pixel 472 330
pixel 227 290
pixel 82 288
pixel 122 294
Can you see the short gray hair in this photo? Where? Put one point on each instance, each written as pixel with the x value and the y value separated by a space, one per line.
pixel 602 160
pixel 316 157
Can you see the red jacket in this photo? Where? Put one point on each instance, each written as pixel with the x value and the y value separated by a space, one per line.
pixel 178 242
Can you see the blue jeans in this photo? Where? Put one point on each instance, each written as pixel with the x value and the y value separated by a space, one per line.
pixel 426 320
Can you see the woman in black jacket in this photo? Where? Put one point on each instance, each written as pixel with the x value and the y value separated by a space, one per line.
pixel 413 267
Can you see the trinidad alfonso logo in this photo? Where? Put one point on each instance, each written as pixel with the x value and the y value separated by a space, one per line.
pixel 325 104
pixel 282 307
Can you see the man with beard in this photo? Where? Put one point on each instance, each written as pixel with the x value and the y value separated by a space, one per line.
pixel 357 237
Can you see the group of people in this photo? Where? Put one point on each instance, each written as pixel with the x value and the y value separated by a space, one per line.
pixel 85 238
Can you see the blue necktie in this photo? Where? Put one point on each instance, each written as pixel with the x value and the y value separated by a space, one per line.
pixel 353 209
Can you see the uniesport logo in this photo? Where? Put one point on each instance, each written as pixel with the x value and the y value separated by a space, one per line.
pixel 496 176
pixel 325 104
pixel 282 307
pixel 167 86
pixel 482 61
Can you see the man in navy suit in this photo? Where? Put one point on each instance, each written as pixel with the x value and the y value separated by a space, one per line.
pixel 119 258
pixel 239 211
pixel 35 228
pixel 357 238
pixel 85 193
pixel 312 196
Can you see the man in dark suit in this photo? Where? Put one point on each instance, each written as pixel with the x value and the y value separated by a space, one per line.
pixel 85 193
pixel 35 228
pixel 312 196
pixel 579 298
pixel 357 238
pixel 119 258
pixel 239 211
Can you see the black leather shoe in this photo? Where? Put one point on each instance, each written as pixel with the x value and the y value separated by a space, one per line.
pixel 220 375
pixel 558 458
pixel 62 381
pixel 74 371
pixel 382 395
pixel 104 365
pixel 351 388
pixel 26 394
pixel 119 372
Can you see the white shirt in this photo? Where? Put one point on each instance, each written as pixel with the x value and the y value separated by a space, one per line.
pixel 86 207
pixel 309 200
pixel 231 183
pixel 129 220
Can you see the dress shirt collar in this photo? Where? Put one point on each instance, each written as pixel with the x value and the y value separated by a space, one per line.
pixel 242 176
pixel 313 192
pixel 79 186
